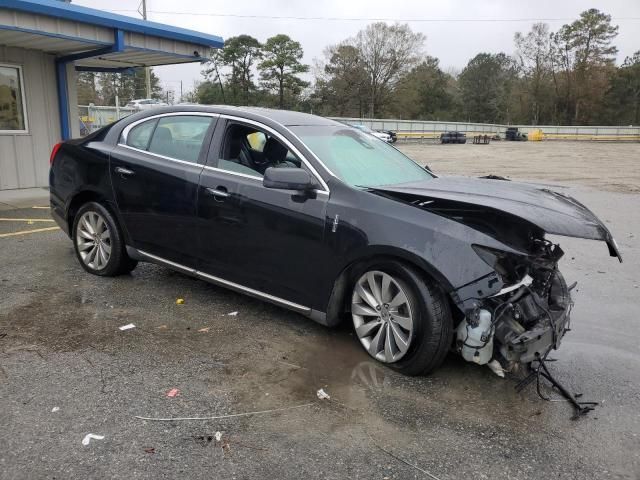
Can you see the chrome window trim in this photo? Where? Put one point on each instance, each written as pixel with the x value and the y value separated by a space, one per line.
pixel 250 177
pixel 287 143
pixel 184 162
pixel 227 283
pixel 125 132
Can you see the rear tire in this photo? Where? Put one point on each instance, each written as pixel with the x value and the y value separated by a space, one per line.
pixel 410 327
pixel 98 242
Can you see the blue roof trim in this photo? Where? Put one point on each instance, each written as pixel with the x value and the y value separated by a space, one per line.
pixel 55 8
pixel 54 35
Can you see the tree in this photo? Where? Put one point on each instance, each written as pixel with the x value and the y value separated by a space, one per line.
pixel 341 82
pixel 281 65
pixel 127 86
pixel 534 58
pixel 140 85
pixel 623 96
pixel 486 85
pixel 583 56
pixel 425 92
pixel 386 52
pixel 239 55
pixel 212 74
pixel 87 88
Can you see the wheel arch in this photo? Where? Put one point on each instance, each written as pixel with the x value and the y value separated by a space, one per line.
pixel 337 303
pixel 84 196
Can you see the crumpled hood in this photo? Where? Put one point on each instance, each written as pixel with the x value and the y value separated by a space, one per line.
pixel 553 212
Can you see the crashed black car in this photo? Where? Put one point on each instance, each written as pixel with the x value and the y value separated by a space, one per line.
pixel 323 219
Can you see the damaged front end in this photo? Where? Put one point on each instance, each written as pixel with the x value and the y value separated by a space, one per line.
pixel 519 311
pixel 524 320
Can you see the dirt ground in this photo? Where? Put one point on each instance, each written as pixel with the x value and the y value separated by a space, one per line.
pixel 613 167
pixel 67 370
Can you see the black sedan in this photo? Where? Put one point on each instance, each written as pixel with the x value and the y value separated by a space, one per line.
pixel 328 221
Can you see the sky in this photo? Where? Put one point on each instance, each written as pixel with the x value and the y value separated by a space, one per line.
pixel 487 26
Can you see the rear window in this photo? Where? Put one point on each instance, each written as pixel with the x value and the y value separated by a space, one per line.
pixel 140 135
pixel 180 137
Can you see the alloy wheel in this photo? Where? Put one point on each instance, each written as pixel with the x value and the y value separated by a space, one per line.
pixel 93 239
pixel 382 316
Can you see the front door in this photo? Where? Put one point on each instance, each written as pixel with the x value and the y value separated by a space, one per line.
pixel 264 239
pixel 155 170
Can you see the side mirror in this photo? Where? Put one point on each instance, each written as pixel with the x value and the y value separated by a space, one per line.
pixel 288 179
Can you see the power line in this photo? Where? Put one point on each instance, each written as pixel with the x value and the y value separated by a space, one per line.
pixel 372 19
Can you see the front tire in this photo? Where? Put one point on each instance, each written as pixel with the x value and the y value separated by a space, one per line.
pixel 98 242
pixel 401 318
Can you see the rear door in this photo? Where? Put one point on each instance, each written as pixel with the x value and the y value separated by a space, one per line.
pixel 155 170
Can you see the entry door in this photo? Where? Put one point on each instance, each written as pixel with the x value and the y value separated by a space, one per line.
pixel 264 239
pixel 155 170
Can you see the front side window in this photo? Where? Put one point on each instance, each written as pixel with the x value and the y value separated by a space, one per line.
pixel 12 108
pixel 359 159
pixel 180 137
pixel 251 151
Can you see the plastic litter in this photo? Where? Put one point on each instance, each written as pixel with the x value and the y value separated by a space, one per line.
pixel 174 392
pixel 204 330
pixel 322 395
pixel 55 409
pixel 218 436
pixel 149 450
pixel 232 314
pixel 180 301
pixel 496 368
pixel 127 327
pixel 91 436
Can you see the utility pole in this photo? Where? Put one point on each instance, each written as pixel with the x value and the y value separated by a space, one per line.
pixel 147 70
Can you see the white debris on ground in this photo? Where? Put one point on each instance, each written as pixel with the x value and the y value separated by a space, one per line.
pixel 496 368
pixel 322 395
pixel 129 326
pixel 91 436
pixel 55 409
pixel 218 436
pixel 232 314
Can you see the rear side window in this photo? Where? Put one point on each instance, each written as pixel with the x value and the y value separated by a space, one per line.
pixel 140 135
pixel 180 137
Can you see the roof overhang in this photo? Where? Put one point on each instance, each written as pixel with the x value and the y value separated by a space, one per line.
pixel 90 36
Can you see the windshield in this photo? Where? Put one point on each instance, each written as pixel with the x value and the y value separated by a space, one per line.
pixel 359 159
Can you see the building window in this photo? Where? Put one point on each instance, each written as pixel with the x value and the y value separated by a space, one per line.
pixel 13 118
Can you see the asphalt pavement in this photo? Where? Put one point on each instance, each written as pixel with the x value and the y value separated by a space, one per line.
pixel 67 370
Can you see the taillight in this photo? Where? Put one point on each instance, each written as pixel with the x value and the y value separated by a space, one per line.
pixel 54 152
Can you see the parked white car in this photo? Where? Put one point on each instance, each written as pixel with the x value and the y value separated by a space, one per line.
pixel 146 104
pixel 382 136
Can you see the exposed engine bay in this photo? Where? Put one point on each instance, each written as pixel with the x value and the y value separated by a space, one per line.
pixel 523 321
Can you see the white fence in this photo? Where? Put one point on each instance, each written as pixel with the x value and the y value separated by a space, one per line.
pixel 93 117
pixel 417 129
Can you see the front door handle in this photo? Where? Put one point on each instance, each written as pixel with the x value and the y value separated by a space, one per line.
pixel 124 171
pixel 219 192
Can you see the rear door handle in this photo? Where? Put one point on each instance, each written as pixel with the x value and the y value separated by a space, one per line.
pixel 124 171
pixel 219 192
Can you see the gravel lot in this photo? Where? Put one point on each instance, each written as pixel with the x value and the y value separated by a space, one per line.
pixel 613 167
pixel 60 346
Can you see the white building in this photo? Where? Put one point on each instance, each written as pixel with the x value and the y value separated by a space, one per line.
pixel 43 43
